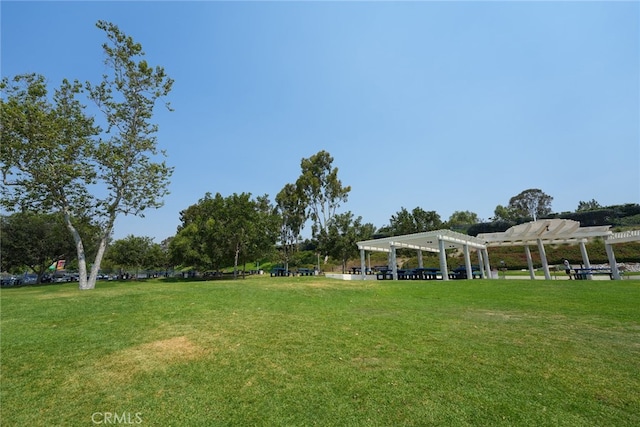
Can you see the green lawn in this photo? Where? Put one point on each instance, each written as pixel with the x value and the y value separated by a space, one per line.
pixel 314 351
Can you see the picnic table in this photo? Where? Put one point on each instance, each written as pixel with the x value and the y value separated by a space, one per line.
pixel 461 273
pixel 426 273
pixel 586 273
pixel 279 272
pixel 306 272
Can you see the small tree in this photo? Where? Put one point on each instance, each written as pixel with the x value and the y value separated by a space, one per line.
pixel 588 206
pixel 344 233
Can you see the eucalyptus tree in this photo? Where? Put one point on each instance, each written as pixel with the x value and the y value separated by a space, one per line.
pixel 531 203
pixel 54 157
pixel 291 210
pixel 322 192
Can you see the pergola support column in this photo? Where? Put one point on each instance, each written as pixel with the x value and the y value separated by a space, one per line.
pixel 585 257
pixel 481 264
pixel 543 258
pixel 394 263
pixel 363 271
pixel 420 263
pixel 443 260
pixel 487 266
pixel 532 273
pixel 467 261
pixel 612 261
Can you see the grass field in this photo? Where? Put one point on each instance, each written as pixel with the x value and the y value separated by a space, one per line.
pixel 313 351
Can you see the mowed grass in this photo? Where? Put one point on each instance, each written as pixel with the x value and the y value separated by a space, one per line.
pixel 314 351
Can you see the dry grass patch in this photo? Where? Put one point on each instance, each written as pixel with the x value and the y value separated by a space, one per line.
pixel 122 366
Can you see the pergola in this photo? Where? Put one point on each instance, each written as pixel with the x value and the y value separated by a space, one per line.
pixel 431 241
pixel 549 232
pixel 621 237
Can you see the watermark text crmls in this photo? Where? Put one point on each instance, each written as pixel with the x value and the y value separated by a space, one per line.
pixel 116 418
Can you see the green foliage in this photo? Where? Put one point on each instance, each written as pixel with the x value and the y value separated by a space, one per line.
pixel 34 241
pixel 136 253
pixel 291 209
pixel 52 160
pixel 532 203
pixel 611 215
pixel 588 206
pixel 217 232
pixel 416 221
pixel 344 233
pixel 322 193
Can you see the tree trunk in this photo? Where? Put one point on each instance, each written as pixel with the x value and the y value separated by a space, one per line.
pixel 235 262
pixel 95 268
pixel 82 262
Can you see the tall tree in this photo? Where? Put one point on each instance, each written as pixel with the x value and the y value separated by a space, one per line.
pixel 51 160
pixel 531 203
pixel 292 213
pixel 322 192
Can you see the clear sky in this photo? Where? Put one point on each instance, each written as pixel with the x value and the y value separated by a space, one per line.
pixel 445 106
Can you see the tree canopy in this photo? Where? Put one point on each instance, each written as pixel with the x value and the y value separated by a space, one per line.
pixel 55 159
pixel 220 231
pixel 532 203
pixel 322 192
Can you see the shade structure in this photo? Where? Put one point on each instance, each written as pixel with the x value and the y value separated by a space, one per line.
pixel 621 237
pixel 550 231
pixel 432 241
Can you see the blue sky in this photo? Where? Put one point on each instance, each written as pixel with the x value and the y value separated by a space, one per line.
pixel 448 106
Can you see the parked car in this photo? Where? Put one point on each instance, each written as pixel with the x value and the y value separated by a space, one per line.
pixel 9 280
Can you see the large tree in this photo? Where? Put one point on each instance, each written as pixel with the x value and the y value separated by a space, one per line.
pixel 322 193
pixel 52 159
pixel 291 210
pixel 34 241
pixel 220 231
pixel 531 203
pixel 416 221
